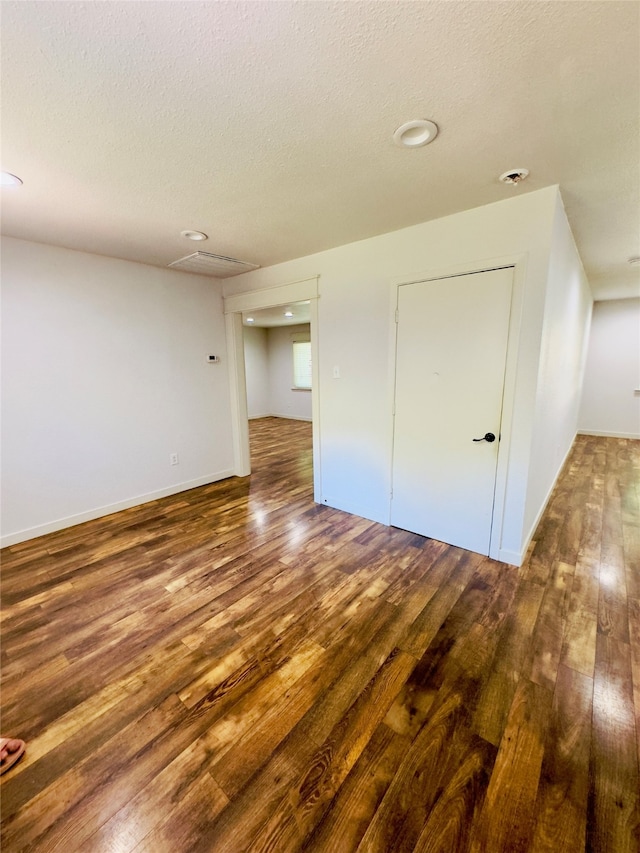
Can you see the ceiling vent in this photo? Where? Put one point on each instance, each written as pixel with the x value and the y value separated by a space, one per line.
pixel 204 263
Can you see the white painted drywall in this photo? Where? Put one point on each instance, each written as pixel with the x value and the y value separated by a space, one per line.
pixel 355 329
pixel 611 396
pixel 268 359
pixel 256 363
pixel 104 374
pixel 563 351
pixel 285 402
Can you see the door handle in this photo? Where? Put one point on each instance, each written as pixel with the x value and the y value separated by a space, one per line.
pixel 489 436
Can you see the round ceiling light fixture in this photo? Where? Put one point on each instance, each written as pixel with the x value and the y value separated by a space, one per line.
pixel 415 134
pixel 194 235
pixel 9 180
pixel 634 261
pixel 514 176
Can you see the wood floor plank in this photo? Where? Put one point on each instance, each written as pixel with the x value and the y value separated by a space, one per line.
pixel 549 631
pixel 307 801
pixel 511 654
pixel 186 823
pixel 506 822
pixel 634 633
pixel 236 669
pixel 614 799
pixel 561 807
pixel 318 685
pixel 613 616
pixel 579 639
pixel 142 822
pixel 444 750
pixel 356 802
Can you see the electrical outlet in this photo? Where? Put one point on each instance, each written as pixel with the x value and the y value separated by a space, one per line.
pixel 173 459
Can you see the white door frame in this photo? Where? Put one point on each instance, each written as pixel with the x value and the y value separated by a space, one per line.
pixel 254 300
pixel 518 263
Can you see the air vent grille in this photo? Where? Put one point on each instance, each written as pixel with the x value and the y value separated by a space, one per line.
pixel 205 263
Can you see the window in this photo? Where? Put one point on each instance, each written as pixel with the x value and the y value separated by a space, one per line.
pixel 302 365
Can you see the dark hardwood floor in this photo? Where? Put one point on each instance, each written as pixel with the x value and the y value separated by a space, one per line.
pixel 237 669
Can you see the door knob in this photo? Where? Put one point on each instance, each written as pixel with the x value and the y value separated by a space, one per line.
pixel 489 436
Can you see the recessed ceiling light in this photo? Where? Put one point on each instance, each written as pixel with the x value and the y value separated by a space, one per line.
pixel 9 180
pixel 250 320
pixel 194 235
pixel 633 261
pixel 288 313
pixel 514 176
pixel 415 134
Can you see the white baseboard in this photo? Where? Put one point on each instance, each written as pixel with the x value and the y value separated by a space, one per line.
pixel 360 511
pixel 514 558
pixel 534 526
pixel 287 417
pixel 99 512
pixel 609 434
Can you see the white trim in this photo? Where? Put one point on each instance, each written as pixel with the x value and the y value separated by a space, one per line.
pixel 269 297
pixel 283 417
pixel 512 557
pixel 253 300
pixel 394 295
pixel 314 328
pixel 109 509
pixel 605 434
pixel 508 403
pixel 360 511
pixel 518 262
pixel 291 418
pixel 538 518
pixel 238 395
pixel 466 268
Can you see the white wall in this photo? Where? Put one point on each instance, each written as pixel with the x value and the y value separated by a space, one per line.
pixel 563 350
pixel 103 376
pixel 285 402
pixel 256 361
pixel 611 397
pixel 355 332
pixel 268 361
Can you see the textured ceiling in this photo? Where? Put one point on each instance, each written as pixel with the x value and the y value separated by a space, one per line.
pixel 268 125
pixel 266 318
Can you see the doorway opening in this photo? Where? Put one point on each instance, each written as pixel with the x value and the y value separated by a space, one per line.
pixel 300 300
pixel 279 386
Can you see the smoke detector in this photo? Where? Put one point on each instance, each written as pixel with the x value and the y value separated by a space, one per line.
pixel 205 263
pixel 514 176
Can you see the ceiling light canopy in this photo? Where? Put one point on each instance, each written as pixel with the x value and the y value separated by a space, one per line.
pixel 415 134
pixel 9 180
pixel 194 235
pixel 288 313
